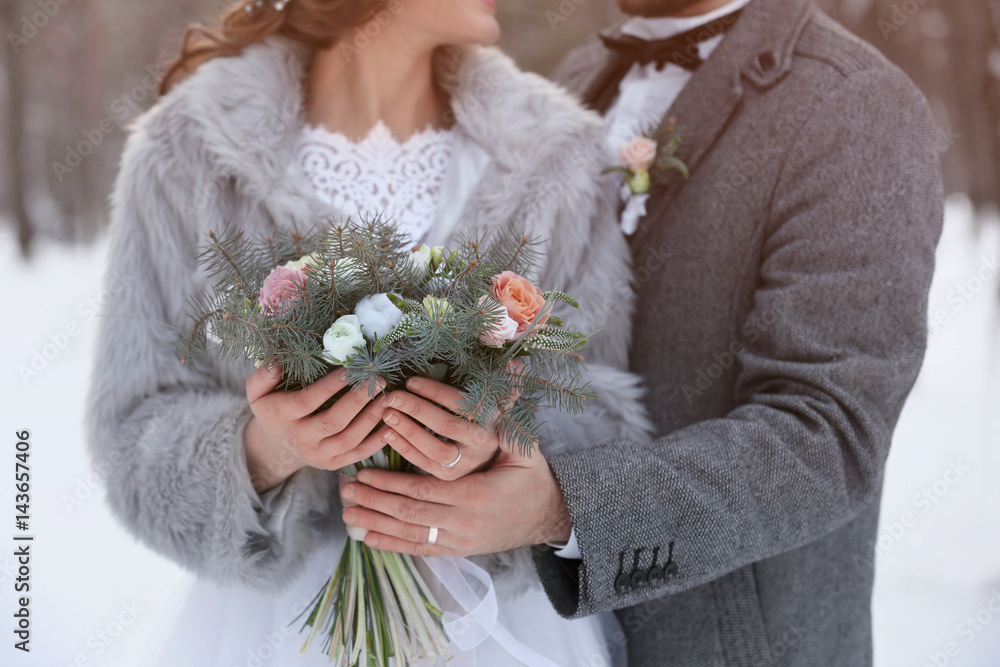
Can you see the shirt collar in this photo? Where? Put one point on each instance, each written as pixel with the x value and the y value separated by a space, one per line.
pixel 668 26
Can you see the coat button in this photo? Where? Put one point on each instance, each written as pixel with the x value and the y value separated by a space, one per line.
pixel 621 583
pixel 638 579
pixel 655 577
pixel 670 570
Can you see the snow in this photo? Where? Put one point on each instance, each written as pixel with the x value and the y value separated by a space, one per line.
pixel 98 596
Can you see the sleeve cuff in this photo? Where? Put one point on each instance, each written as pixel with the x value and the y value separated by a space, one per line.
pixel 569 550
pixel 273 508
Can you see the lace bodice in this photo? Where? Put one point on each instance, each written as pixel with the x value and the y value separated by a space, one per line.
pixel 400 180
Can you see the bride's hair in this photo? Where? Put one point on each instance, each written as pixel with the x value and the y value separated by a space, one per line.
pixel 318 23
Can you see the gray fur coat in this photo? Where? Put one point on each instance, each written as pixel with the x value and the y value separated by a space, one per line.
pixel 218 148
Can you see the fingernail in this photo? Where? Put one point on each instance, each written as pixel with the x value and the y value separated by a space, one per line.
pixel 350 516
pixel 371 541
pixel 348 490
pixel 414 384
pixel 390 401
pixel 390 436
pixel 392 418
pixel 344 375
pixel 363 476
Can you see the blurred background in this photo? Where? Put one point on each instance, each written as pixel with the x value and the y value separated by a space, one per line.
pixel 76 73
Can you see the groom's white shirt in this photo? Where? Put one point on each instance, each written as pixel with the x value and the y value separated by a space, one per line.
pixel 644 97
pixel 645 93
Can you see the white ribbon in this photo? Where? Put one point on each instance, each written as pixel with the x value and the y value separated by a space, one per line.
pixel 480 621
pixel 635 209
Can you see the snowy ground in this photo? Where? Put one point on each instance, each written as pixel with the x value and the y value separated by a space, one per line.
pixel 97 596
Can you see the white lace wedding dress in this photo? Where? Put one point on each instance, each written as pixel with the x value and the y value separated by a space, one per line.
pixel 221 626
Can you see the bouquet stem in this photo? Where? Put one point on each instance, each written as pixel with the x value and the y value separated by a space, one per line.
pixel 376 605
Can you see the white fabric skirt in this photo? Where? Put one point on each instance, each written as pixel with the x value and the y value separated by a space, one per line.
pixel 226 626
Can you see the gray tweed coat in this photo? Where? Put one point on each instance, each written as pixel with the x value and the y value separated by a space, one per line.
pixel 218 148
pixel 780 324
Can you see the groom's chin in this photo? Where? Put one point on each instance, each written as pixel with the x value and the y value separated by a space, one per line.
pixel 653 8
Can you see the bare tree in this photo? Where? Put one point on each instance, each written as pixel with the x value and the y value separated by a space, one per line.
pixel 14 127
pixel 951 49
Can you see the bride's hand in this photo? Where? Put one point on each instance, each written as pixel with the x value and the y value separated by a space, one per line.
pixel 284 435
pixel 469 448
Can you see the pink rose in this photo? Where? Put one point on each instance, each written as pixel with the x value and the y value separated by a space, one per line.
pixel 280 289
pixel 638 154
pixel 522 300
pixel 504 332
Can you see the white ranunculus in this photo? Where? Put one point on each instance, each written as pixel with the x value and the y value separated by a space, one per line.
pixel 302 262
pixel 378 315
pixel 437 255
pixel 342 340
pixel 421 258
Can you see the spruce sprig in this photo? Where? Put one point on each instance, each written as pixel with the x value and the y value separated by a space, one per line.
pixel 447 305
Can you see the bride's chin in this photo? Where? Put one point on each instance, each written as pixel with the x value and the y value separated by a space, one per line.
pixel 492 36
pixel 485 34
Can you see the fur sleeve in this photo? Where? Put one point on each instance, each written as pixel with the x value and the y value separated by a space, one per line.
pixel 168 436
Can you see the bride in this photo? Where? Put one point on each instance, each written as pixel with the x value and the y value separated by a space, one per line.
pixel 291 112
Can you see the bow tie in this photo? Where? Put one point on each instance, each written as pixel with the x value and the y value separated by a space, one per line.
pixel 681 50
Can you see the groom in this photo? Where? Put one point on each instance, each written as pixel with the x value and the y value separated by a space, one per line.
pixel 781 322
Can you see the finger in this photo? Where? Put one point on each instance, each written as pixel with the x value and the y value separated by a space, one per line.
pixel 432 447
pixel 404 508
pixel 360 428
pixel 435 391
pixel 412 454
pixel 262 382
pixel 366 449
pixel 376 522
pixel 410 485
pixel 390 543
pixel 303 402
pixel 338 416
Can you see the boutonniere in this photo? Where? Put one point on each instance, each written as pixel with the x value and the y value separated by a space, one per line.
pixel 645 164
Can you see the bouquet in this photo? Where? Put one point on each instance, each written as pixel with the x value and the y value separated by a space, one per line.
pixel 350 295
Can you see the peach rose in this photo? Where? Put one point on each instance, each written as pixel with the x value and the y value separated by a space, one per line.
pixel 638 154
pixel 522 300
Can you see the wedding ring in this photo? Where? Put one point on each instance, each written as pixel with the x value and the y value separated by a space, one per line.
pixel 455 462
pixel 432 536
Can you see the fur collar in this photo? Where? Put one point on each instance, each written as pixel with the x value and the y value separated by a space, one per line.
pixel 251 106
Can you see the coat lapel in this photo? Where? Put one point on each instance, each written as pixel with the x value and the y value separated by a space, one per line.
pixel 757 49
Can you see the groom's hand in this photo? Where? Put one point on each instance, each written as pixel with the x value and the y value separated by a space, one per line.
pixel 517 502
